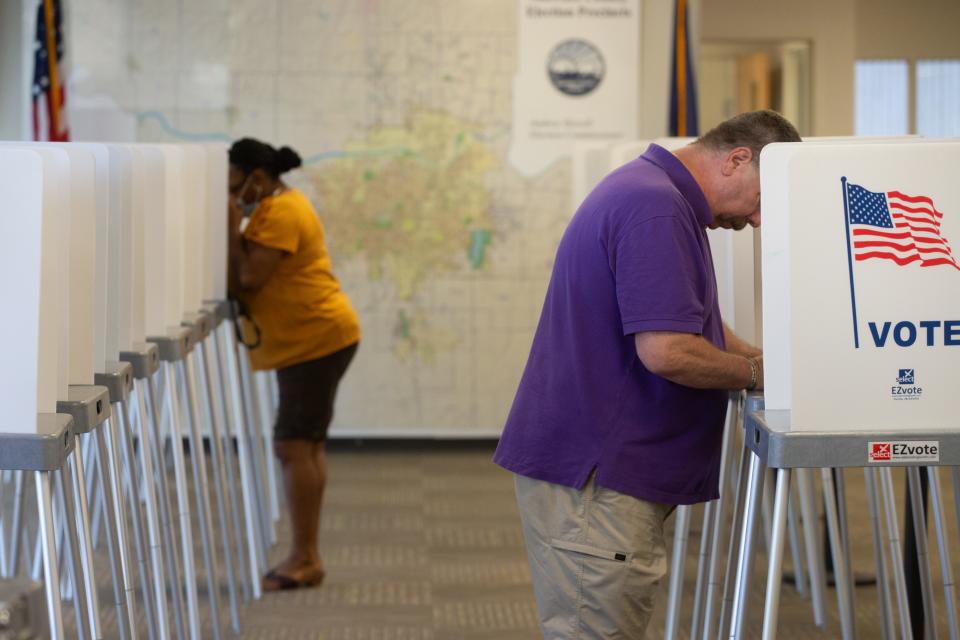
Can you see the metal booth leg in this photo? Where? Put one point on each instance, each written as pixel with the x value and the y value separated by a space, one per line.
pixel 183 502
pixel 917 503
pixel 843 581
pixel 68 520
pixel 943 537
pixel 879 556
pixel 147 395
pixel 187 381
pixel 896 559
pixel 221 407
pixel 775 570
pixel 796 548
pixel 237 415
pixel 255 436
pixel 145 479
pixel 221 461
pixel 751 513
pixel 677 563
pixel 808 512
pixel 113 496
pixel 124 445
pixel 739 505
pixel 714 588
pixel 51 575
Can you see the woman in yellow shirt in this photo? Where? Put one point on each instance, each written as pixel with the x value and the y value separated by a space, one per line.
pixel 307 331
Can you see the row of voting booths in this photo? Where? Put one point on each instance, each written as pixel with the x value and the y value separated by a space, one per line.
pixel 121 364
pixel 852 287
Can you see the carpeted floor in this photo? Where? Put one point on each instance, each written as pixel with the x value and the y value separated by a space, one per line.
pixel 425 544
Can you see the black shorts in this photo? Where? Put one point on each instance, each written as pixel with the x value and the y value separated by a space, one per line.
pixel 307 394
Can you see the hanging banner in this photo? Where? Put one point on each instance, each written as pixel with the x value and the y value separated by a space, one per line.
pixel 577 80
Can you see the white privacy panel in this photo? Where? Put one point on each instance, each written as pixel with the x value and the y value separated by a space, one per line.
pixel 155 239
pixel 590 163
pixel 81 265
pixel 21 186
pixel 53 366
pixel 173 235
pixel 623 152
pixel 194 224
pixel 775 242
pixel 139 193
pixel 861 284
pixel 119 302
pixel 215 262
pixel 100 248
pixel 77 355
pixel 54 301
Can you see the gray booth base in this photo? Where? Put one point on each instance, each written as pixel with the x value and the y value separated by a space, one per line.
pixel 221 310
pixel 88 404
pixel 118 379
pixel 175 345
pixel 44 450
pixel 144 357
pixel 201 322
pixel 768 435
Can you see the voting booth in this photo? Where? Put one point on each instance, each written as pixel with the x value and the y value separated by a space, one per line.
pixel 26 382
pixel 860 308
pixel 862 285
pixel 120 256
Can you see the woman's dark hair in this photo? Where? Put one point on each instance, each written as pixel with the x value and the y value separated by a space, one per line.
pixel 248 155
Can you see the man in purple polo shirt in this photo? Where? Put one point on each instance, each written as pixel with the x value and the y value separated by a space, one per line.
pixel 619 414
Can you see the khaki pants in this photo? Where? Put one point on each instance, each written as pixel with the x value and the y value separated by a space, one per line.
pixel 597 557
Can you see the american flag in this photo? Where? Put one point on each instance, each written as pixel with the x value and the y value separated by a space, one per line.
pixel 896 226
pixel 49 94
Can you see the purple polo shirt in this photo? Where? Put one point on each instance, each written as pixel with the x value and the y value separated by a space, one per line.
pixel 634 258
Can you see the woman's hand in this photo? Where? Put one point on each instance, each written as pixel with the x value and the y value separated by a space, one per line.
pixel 234 215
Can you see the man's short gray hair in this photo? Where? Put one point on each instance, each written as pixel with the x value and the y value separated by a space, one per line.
pixel 753 129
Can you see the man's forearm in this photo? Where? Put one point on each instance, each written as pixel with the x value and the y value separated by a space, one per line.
pixel 702 366
pixel 737 345
pixel 692 361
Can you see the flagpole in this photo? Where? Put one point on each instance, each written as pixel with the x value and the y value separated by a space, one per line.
pixel 681 66
pixel 52 62
pixel 853 295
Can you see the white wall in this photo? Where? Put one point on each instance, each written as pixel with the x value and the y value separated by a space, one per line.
pixel 831 27
pixel 16 68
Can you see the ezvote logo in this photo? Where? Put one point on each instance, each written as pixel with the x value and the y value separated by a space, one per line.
pixel 906 389
pixel 904 229
pixel 904 451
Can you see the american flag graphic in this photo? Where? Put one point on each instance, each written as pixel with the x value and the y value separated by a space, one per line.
pixel 49 95
pixel 899 227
